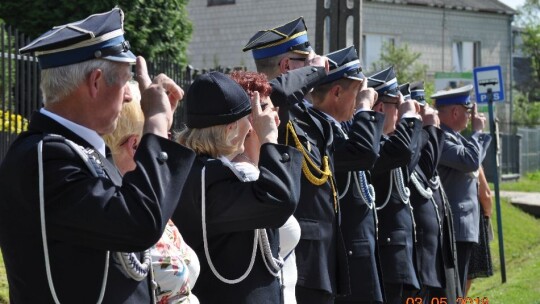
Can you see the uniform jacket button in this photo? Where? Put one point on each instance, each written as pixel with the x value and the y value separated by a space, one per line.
pixel 285 157
pixel 314 69
pixel 411 124
pixel 163 156
pixel 372 118
pixel 388 240
pixel 350 252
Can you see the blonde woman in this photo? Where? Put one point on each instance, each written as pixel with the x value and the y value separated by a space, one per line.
pixel 175 266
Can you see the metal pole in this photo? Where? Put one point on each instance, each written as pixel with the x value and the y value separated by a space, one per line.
pixel 496 183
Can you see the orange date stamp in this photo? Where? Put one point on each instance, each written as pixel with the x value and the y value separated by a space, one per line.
pixel 443 300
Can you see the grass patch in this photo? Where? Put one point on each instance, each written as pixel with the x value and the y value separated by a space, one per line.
pixel 4 298
pixel 530 182
pixel 522 256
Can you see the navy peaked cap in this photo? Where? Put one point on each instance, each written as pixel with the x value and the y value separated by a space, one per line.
pixel 460 96
pixel 290 37
pixel 384 82
pixel 99 36
pixel 344 63
pixel 405 90
pixel 215 99
pixel 417 92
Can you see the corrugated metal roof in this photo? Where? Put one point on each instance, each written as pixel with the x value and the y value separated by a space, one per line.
pixel 490 6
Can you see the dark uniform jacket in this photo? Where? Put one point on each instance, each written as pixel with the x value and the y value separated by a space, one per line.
pixel 396 231
pixel 429 212
pixel 85 215
pixel 320 255
pixel 234 209
pixel 356 148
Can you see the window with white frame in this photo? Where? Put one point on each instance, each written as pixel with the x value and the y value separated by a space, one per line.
pixel 465 55
pixel 372 45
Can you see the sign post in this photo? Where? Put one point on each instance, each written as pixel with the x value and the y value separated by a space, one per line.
pixel 488 86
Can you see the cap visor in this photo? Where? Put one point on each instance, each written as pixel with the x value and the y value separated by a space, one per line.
pixel 127 57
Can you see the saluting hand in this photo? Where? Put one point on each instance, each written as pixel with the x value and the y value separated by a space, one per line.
pixel 430 116
pixel 366 97
pixel 478 120
pixel 159 99
pixel 265 121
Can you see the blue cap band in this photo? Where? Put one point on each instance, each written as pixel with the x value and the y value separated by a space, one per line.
pixel 76 55
pixel 388 88
pixel 463 100
pixel 416 94
pixel 282 48
pixel 342 74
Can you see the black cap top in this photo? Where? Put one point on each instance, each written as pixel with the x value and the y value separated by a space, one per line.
pixel 97 36
pixel 384 82
pixel 405 91
pixel 215 99
pixel 290 37
pixel 344 63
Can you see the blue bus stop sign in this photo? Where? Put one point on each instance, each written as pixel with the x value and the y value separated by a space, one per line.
pixel 485 78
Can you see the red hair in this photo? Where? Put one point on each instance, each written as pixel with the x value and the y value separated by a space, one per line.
pixel 252 81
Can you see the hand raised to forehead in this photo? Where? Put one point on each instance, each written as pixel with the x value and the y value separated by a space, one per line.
pixel 430 116
pixel 264 122
pixel 366 97
pixel 159 99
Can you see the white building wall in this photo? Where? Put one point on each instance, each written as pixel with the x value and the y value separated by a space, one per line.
pixel 220 32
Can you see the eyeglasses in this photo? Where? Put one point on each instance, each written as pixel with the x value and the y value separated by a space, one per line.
pixel 306 61
pixel 467 109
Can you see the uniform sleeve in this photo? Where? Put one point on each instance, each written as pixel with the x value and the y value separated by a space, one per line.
pixel 464 156
pixel 361 149
pixel 94 212
pixel 397 151
pixel 268 202
pixel 431 152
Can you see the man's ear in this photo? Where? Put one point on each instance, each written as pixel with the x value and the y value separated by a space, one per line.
pixel 93 81
pixel 336 90
pixel 284 65
pixel 378 107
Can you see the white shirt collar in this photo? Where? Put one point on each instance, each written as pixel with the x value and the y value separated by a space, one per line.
pixel 91 136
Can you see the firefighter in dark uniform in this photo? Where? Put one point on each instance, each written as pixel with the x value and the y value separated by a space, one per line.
pixel 390 178
pixel 221 214
pixel 65 207
pixel 343 96
pixel 429 209
pixel 320 255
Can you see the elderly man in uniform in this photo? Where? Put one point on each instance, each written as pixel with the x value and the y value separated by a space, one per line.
pixel 320 255
pixel 390 178
pixel 65 207
pixel 458 167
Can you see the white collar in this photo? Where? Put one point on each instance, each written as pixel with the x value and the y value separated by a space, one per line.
pixel 91 136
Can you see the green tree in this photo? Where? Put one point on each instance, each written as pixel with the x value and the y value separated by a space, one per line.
pixel 154 28
pixel 525 112
pixel 529 21
pixel 405 63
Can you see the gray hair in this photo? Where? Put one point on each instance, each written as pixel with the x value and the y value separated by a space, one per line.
pixel 270 65
pixel 59 82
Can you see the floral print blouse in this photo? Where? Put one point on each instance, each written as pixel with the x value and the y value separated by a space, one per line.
pixel 176 268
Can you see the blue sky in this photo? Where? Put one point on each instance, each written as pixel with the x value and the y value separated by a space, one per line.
pixel 513 3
